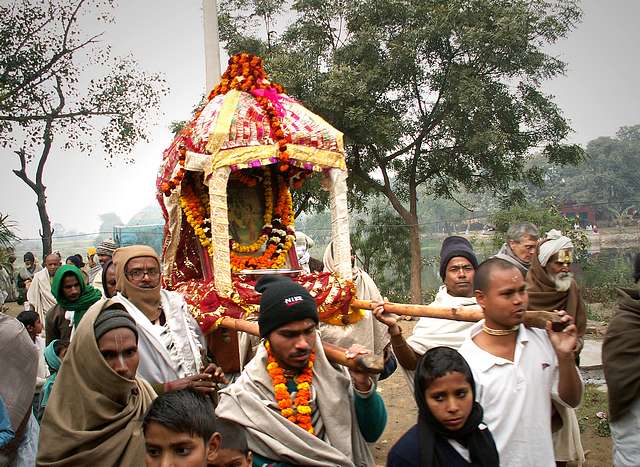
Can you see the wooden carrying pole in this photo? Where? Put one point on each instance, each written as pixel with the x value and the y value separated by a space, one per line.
pixel 532 319
pixel 368 363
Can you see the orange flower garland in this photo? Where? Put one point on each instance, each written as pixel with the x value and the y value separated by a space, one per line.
pixel 168 187
pixel 246 73
pixel 197 215
pixel 279 232
pixel 299 411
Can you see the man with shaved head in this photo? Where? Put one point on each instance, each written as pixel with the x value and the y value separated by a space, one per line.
pixel 39 294
pixel 519 370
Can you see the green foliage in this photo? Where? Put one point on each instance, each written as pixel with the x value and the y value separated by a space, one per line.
pixel 546 216
pixel 602 274
pixel 440 95
pixel 8 237
pixel 380 243
pixel 605 178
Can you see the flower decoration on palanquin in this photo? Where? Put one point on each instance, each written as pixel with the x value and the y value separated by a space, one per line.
pixel 246 73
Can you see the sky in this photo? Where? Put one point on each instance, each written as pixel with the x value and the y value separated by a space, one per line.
pixel 598 94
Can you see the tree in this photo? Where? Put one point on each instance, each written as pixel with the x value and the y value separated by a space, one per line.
pixel 58 84
pixel 605 178
pixel 8 237
pixel 432 94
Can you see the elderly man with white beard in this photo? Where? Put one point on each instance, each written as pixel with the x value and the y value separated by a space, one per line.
pixel 551 286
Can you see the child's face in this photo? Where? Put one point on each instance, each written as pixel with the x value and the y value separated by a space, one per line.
pixel 231 458
pixel 450 400
pixel 165 447
pixel 36 329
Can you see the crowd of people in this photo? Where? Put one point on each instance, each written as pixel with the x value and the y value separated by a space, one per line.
pixel 105 367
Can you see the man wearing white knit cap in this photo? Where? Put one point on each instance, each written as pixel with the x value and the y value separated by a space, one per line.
pixel 551 286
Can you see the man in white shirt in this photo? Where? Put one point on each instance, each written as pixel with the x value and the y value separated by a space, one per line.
pixel 170 343
pixel 519 370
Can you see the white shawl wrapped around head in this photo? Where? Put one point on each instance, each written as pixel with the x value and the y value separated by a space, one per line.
pixel 250 401
pixel 554 243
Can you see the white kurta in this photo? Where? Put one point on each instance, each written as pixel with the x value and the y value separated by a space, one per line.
pixel 173 350
pixel 39 294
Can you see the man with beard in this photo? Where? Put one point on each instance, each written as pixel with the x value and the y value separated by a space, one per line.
pixel 520 246
pixel 552 287
pixel 171 344
pixel 551 284
pixel 297 408
pixel 519 370
pixel 457 268
pixel 621 364
pixel 39 294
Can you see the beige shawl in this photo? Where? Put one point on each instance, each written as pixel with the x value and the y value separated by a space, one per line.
pixel 146 300
pixel 250 401
pixel 94 415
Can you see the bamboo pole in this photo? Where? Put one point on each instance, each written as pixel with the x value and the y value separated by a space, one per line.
pixel 367 363
pixel 535 319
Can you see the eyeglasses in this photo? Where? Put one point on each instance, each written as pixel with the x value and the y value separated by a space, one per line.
pixel 137 274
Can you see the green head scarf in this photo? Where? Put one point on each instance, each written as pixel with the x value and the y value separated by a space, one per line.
pixel 54 362
pixel 88 295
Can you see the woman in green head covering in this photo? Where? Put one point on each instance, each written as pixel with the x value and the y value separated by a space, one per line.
pixel 53 355
pixel 74 298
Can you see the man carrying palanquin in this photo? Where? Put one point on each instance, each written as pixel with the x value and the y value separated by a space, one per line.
pixel 552 286
pixel 297 408
pixel 39 294
pixel 520 246
pixel 171 344
pixel 457 268
pixel 518 371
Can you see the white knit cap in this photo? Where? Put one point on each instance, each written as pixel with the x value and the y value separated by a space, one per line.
pixel 555 242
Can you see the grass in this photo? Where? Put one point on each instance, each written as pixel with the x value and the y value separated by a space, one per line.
pixel 594 403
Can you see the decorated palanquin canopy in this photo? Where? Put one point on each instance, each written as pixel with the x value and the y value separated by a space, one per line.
pixel 248 133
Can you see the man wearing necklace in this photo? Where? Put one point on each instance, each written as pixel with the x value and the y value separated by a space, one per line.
pixel 171 344
pixel 297 408
pixel 518 370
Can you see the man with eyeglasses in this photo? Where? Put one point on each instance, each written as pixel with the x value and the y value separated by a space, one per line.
pixel 171 345
pixel 458 263
pixel 521 244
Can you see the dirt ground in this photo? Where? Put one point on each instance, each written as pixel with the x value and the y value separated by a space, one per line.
pixel 402 414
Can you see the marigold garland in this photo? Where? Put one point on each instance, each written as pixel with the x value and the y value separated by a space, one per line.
pixel 277 232
pixel 168 187
pixel 299 411
pixel 197 214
